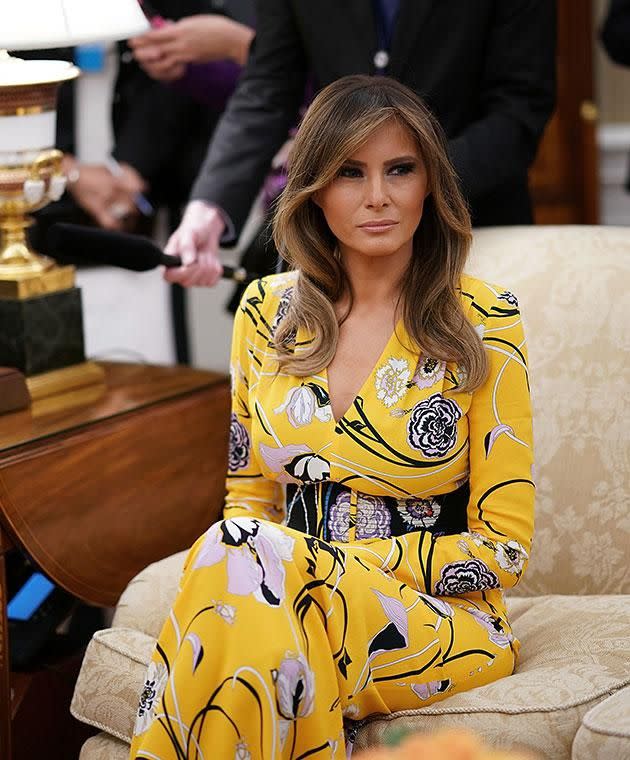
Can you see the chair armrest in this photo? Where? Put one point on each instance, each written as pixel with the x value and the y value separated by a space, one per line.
pixel 144 604
pixel 605 730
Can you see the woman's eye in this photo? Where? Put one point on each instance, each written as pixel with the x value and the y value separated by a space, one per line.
pixel 350 172
pixel 402 169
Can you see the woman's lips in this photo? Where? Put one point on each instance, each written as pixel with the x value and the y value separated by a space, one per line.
pixel 378 225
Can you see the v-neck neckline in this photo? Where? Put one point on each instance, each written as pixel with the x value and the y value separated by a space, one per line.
pixel 386 349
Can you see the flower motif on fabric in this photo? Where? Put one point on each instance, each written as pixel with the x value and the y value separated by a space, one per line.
pixel 419 513
pixel 309 468
pixel 283 308
pixel 431 688
pixel 225 611
pixel 464 577
pixel 339 518
pixel 154 685
pixel 373 517
pixel 432 427
pixel 238 454
pixel 254 552
pixel 295 687
pixel 241 752
pixel 509 297
pixel 391 381
pixel 428 372
pixel 511 556
pixel 305 402
pixel 494 625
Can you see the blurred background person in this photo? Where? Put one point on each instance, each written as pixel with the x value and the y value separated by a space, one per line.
pixel 161 129
pixel 486 69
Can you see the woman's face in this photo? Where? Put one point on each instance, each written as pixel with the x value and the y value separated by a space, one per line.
pixel 374 205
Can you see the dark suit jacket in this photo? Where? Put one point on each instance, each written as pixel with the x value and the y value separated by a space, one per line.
pixel 615 32
pixel 162 132
pixel 486 68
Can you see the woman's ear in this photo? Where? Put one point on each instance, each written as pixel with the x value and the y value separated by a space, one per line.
pixel 316 199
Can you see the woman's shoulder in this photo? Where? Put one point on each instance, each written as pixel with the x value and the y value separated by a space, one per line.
pixel 483 299
pixel 267 299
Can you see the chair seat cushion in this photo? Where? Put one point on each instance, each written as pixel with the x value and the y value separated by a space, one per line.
pixel 575 652
pixel 605 730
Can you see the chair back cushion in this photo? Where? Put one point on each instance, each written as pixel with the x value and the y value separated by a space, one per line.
pixel 573 284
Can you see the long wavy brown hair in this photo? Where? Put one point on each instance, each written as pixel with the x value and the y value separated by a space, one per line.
pixel 339 121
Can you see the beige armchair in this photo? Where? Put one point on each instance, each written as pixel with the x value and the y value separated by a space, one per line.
pixel 570 694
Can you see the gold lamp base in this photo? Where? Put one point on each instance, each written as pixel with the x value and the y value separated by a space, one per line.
pixel 17 260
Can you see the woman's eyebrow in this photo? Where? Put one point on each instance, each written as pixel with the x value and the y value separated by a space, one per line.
pixel 402 160
pixel 389 162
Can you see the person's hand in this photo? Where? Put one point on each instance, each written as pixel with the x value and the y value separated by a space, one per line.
pixel 108 199
pixel 164 53
pixel 196 241
pixel 130 180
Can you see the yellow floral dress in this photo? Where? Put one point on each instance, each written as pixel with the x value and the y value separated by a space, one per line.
pixel 360 565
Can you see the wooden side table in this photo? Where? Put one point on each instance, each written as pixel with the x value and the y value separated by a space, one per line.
pixel 97 489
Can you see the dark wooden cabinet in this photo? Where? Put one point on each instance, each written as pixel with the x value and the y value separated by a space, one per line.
pixel 97 489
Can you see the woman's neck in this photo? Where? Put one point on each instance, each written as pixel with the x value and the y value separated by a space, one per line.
pixel 375 280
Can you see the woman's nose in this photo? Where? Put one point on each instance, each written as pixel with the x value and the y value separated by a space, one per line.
pixel 376 191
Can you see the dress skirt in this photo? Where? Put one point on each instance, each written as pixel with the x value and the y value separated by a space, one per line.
pixel 278 641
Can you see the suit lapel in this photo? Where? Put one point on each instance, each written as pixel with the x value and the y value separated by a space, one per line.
pixel 412 16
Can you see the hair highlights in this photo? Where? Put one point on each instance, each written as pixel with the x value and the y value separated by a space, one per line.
pixel 339 121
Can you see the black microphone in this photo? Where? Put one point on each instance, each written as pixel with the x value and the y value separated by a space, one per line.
pixel 76 242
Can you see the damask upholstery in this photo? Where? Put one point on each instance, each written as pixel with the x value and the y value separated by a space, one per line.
pixel 572 609
pixel 605 730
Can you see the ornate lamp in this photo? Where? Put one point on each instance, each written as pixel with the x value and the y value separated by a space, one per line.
pixel 41 329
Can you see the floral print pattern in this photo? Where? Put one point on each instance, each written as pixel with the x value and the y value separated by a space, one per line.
pixel 373 518
pixel 391 381
pixel 432 427
pixel 510 298
pixel 254 552
pixel 360 561
pixel 238 455
pixel 295 687
pixel 304 403
pixel 419 513
pixel 429 371
pixel 154 685
pixel 465 577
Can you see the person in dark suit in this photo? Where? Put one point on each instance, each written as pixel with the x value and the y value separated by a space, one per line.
pixel 161 133
pixel 615 32
pixel 486 69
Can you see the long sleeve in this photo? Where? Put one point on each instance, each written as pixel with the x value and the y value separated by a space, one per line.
pixel 258 117
pixel 517 96
pixel 249 493
pixel 494 551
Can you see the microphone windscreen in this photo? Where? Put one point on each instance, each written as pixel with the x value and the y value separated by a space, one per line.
pixel 118 249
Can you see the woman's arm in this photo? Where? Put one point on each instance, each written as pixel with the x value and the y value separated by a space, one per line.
pixel 494 551
pixel 249 493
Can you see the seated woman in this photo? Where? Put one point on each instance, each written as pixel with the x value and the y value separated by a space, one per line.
pixel 379 495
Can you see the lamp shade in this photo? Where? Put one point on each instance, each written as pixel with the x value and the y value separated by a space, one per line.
pixel 32 24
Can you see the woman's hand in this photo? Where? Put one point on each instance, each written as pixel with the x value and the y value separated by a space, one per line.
pixel 163 53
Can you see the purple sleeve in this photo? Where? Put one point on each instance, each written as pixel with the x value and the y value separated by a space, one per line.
pixel 210 83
